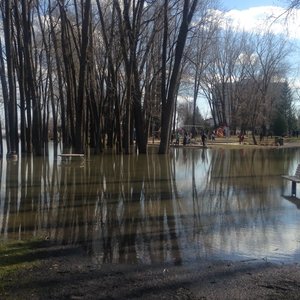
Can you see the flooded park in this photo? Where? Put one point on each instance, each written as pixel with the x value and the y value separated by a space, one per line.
pixel 191 206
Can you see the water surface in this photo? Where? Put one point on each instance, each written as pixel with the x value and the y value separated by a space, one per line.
pixel 193 205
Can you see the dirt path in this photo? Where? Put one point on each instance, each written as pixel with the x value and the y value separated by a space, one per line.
pixel 64 273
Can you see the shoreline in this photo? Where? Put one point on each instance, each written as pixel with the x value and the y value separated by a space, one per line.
pixel 233 143
pixel 63 272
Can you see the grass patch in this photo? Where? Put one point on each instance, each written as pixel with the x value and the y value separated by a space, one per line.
pixel 18 256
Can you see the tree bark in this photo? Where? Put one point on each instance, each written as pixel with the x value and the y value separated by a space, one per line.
pixel 80 108
pixel 169 102
pixel 12 133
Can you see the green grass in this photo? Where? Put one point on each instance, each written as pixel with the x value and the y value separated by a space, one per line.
pixel 17 256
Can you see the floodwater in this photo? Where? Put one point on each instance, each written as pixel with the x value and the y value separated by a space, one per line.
pixel 194 205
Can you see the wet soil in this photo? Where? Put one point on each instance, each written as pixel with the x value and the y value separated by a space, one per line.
pixel 69 273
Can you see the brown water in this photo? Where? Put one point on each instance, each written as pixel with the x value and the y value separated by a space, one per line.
pixel 193 205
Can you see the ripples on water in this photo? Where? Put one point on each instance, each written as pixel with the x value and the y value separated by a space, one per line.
pixel 193 205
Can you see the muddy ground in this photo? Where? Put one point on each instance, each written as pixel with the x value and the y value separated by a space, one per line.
pixel 68 273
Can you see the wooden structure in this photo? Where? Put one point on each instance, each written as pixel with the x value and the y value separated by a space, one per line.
pixel 294 179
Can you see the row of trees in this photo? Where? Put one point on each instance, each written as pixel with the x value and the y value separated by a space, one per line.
pixel 244 78
pixel 95 69
pixel 100 73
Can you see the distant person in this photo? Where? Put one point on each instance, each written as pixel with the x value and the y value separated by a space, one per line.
pixel 226 132
pixel 189 137
pixel 241 138
pixel 172 138
pixel 261 137
pixel 203 138
pixel 177 138
pixel 213 136
pixel 185 138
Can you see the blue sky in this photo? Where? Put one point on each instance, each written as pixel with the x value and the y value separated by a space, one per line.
pixel 244 4
pixel 258 15
pixel 261 15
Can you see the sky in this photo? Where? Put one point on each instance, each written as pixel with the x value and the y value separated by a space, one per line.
pixel 260 15
pixel 253 14
pixel 244 4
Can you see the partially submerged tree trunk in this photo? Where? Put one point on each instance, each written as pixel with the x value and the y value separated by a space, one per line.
pixel 130 27
pixel 32 96
pixel 80 107
pixel 168 102
pixel 10 104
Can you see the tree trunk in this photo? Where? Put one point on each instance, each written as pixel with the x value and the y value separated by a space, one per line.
pixel 80 108
pixel 30 82
pixel 169 102
pixel 4 94
pixel 12 134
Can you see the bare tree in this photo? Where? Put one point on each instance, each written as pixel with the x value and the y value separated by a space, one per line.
pixel 223 71
pixel 169 90
pixel 109 34
pixel 204 36
pixel 266 65
pixel 134 20
pixel 10 103
pixel 100 69
pixel 82 80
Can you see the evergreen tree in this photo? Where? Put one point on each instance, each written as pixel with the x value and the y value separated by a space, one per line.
pixel 284 119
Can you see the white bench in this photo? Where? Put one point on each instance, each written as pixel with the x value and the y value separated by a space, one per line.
pixel 294 179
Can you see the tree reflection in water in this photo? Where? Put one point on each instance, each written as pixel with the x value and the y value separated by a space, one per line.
pixel 193 204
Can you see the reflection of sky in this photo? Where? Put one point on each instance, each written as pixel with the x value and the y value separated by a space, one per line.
pixel 244 213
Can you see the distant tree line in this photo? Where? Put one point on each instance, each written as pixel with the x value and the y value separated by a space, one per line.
pixel 101 73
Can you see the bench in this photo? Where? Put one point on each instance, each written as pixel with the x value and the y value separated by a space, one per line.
pixel 71 155
pixel 294 179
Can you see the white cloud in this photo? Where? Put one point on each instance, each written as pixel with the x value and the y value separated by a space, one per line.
pixel 265 18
